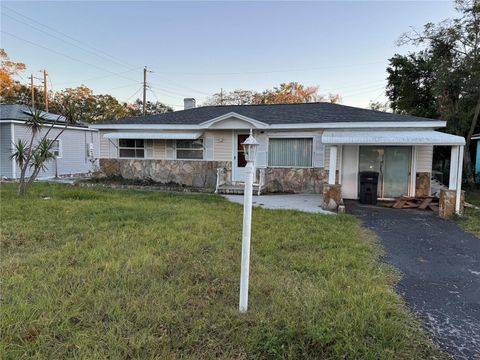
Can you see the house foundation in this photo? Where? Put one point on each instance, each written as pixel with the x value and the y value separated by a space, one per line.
pixel 191 173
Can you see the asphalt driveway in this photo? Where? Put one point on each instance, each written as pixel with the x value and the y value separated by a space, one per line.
pixel 441 272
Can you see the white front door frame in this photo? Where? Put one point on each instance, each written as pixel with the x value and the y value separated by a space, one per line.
pixel 237 174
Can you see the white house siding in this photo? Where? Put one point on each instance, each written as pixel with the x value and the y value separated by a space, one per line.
pixel 74 146
pixel 159 149
pixel 108 147
pixel 424 158
pixel 5 151
pixel 222 144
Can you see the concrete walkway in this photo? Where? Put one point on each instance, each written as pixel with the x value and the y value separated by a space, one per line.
pixel 302 202
pixel 441 272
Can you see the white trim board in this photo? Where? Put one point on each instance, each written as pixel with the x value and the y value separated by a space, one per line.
pixel 255 123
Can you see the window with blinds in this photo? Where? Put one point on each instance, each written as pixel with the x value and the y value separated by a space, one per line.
pixel 290 152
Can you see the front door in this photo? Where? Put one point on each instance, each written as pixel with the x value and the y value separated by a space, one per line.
pixel 239 161
pixel 393 166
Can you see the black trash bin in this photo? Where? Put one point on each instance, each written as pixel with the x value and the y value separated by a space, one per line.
pixel 368 187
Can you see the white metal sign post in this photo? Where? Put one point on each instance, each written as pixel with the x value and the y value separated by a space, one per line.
pixel 250 150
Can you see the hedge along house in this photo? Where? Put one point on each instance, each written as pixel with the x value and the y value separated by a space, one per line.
pixel 304 148
pixel 76 150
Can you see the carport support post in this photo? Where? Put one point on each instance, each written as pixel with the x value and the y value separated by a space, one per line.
pixel 459 180
pixel 455 179
pixel 332 165
pixel 247 228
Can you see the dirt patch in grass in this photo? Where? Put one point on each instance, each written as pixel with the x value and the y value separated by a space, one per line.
pixel 99 273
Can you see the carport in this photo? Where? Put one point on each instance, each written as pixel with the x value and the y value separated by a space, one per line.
pixel 348 148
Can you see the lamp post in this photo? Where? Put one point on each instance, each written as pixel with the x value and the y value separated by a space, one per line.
pixel 250 150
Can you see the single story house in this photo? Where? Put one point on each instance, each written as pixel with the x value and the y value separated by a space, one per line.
pixel 76 150
pixel 476 138
pixel 303 148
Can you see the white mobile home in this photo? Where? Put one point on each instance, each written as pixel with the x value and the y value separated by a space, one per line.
pixel 77 149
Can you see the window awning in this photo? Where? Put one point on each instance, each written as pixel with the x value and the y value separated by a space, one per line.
pixel 154 135
pixel 391 137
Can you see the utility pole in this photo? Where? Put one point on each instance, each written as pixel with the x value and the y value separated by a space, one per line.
pixel 45 74
pixel 144 90
pixel 33 90
pixel 221 96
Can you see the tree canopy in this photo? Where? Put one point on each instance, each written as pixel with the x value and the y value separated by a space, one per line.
pixel 442 80
pixel 285 93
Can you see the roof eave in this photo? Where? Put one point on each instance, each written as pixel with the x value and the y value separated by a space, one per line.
pixel 431 124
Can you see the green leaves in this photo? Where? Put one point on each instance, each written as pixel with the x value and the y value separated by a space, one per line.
pixel 20 152
pixel 42 154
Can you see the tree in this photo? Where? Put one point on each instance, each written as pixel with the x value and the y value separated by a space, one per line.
pixel 151 108
pixel 8 85
pixel 410 82
pixel 285 93
pixel 443 79
pixel 379 106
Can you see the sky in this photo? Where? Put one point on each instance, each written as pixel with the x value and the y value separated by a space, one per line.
pixel 193 49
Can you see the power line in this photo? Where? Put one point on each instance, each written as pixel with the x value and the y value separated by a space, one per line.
pixel 135 93
pixel 156 97
pixel 275 71
pixel 112 58
pixel 364 91
pixel 178 85
pixel 97 78
pixel 167 91
pixel 65 41
pixel 64 55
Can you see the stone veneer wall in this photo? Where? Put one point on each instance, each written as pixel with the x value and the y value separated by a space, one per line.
pixel 294 180
pixel 201 174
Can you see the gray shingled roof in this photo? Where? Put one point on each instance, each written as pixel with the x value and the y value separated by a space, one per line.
pixel 21 112
pixel 274 114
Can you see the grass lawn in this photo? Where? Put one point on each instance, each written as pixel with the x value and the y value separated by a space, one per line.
pixel 99 273
pixel 470 221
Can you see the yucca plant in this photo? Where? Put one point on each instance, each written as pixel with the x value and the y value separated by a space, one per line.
pixel 20 152
pixel 36 154
pixel 40 156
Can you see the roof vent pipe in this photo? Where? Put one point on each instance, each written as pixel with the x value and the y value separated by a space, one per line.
pixel 188 103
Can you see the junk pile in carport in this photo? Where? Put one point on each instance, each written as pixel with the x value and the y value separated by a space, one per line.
pixel 407 202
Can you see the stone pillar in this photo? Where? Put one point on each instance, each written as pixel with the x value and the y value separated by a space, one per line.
pixel 332 196
pixel 446 206
pixel 422 184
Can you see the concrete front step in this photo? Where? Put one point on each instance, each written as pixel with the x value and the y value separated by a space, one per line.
pixel 234 189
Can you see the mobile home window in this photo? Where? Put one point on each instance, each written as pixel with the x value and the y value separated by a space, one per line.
pixel 190 149
pixel 131 148
pixel 290 152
